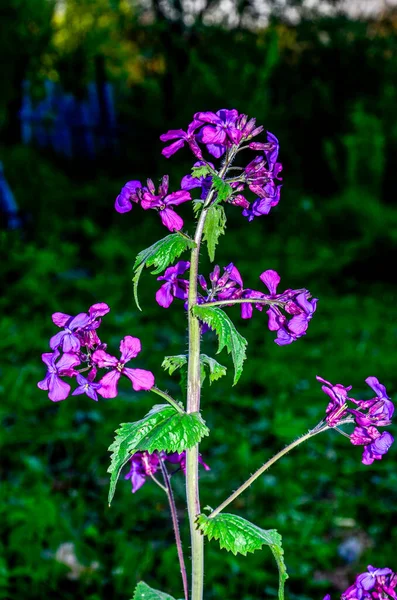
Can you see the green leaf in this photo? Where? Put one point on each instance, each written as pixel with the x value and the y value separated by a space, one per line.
pixel 216 370
pixel 201 171
pixel 160 255
pixel 144 592
pixel 172 363
pixel 163 428
pixel 224 190
pixel 228 336
pixel 214 227
pixel 239 536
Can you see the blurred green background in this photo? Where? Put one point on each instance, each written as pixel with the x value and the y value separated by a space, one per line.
pixel 324 82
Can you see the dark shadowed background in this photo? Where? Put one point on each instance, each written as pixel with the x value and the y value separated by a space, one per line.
pixel 88 87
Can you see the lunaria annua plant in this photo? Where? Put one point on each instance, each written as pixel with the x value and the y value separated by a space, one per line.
pixel 169 435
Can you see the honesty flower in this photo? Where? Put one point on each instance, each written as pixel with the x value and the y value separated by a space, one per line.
pixel 369 413
pixel 79 330
pixel 182 137
pixel 221 131
pixel 130 192
pixel 56 387
pixel 141 379
pixel 87 385
pixel 174 287
pixel 163 202
pixel 142 465
pixel 180 459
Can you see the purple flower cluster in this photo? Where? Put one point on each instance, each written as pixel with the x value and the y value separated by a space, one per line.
pixel 374 584
pixel 368 416
pixel 221 133
pixel 290 325
pixel 162 201
pixel 144 464
pixel 81 345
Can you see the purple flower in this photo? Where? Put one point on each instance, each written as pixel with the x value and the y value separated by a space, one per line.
pixel 221 131
pixel 376 584
pixel 142 465
pixel 173 286
pixel 296 303
pixel 78 330
pixel 272 153
pixel 336 408
pixel 368 580
pixel 269 196
pixel 205 181
pixel 181 137
pixel 129 193
pixel 141 379
pixel 87 385
pixel 225 287
pixel 57 388
pixel 376 444
pixel 180 459
pixel 163 202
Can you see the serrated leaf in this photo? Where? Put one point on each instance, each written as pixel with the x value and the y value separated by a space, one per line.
pixel 228 336
pixel 224 190
pixel 216 370
pixel 160 255
pixel 239 536
pixel 201 171
pixel 172 363
pixel 214 227
pixel 163 428
pixel 144 592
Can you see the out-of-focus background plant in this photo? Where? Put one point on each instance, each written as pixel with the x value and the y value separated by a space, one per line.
pixel 88 87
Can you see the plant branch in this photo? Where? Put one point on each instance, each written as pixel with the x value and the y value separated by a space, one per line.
pixel 169 399
pixel 264 468
pixel 175 523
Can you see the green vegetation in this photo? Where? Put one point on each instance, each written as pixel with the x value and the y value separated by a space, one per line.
pixel 334 232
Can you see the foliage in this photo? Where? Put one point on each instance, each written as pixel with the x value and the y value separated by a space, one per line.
pixel 162 429
pixel 214 227
pixel 228 336
pixel 239 536
pixel 160 255
pixel 144 592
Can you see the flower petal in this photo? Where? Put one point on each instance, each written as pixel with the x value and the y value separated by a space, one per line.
pixel 58 389
pixel 140 378
pixel 103 359
pixel 108 383
pixel 271 279
pixel 130 347
pixel 171 220
pixel 60 319
pixel 177 198
pixel 164 295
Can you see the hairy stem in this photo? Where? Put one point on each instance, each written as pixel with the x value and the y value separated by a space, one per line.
pixel 174 516
pixel 264 468
pixel 193 405
pixel 167 397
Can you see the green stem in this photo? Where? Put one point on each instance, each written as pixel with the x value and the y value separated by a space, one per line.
pixel 264 468
pixel 193 405
pixel 244 301
pixel 167 397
